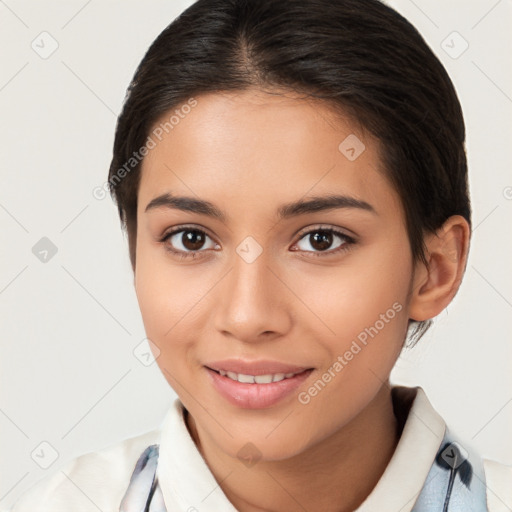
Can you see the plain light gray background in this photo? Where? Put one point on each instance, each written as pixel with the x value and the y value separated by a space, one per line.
pixel 69 326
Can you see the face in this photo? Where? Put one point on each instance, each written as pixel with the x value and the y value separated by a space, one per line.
pixel 290 256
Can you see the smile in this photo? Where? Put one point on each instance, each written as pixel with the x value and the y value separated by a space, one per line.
pixel 257 379
pixel 248 391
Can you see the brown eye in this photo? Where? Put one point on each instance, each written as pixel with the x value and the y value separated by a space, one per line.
pixel 325 240
pixel 187 240
pixel 321 240
pixel 192 240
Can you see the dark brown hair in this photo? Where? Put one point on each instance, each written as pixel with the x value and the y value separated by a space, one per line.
pixel 359 55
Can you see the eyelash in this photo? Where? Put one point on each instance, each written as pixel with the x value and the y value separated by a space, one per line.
pixel 348 241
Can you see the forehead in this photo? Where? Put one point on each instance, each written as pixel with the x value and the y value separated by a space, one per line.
pixel 260 148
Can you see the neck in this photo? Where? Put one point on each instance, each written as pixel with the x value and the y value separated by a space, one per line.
pixel 314 479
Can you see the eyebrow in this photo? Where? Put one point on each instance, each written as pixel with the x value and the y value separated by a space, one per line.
pixel 285 211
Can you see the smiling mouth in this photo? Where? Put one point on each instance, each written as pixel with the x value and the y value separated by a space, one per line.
pixel 257 391
pixel 258 379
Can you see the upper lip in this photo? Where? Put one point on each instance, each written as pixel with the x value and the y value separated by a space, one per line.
pixel 260 367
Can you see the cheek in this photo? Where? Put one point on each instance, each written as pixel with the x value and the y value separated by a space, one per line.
pixel 161 322
pixel 367 319
pixel 162 291
pixel 362 305
pixel 170 301
pixel 161 295
pixel 367 288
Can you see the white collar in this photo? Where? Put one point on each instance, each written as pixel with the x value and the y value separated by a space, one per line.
pixel 406 472
pixel 187 481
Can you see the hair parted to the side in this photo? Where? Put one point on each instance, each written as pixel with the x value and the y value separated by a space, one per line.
pixel 360 56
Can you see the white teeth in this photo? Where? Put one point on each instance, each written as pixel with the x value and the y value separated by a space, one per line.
pixel 258 379
pixel 247 379
pixel 263 379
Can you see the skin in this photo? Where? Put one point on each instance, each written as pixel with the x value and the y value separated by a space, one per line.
pixel 248 153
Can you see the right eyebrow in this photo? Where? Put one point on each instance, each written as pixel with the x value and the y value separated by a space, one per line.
pixel 187 204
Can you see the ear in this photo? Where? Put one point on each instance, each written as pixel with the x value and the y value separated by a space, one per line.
pixel 435 284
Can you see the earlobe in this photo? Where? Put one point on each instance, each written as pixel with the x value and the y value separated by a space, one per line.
pixel 435 285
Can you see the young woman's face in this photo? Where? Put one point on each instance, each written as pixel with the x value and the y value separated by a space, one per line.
pixel 255 276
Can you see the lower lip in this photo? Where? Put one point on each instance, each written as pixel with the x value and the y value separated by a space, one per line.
pixel 256 396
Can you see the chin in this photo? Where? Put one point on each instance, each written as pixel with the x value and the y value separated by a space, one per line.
pixel 256 447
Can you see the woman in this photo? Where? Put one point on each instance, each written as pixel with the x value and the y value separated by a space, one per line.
pixel 293 181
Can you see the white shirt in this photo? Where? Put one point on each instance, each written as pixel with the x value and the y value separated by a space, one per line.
pixel 98 480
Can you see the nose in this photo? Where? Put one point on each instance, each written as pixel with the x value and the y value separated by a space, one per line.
pixel 252 304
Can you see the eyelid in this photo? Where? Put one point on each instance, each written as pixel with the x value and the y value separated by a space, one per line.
pixel 184 227
pixel 328 227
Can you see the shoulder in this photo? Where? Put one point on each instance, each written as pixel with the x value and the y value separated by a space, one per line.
pixel 499 486
pixel 91 482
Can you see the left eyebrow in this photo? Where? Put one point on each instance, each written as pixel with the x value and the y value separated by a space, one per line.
pixel 321 203
pixel 293 209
